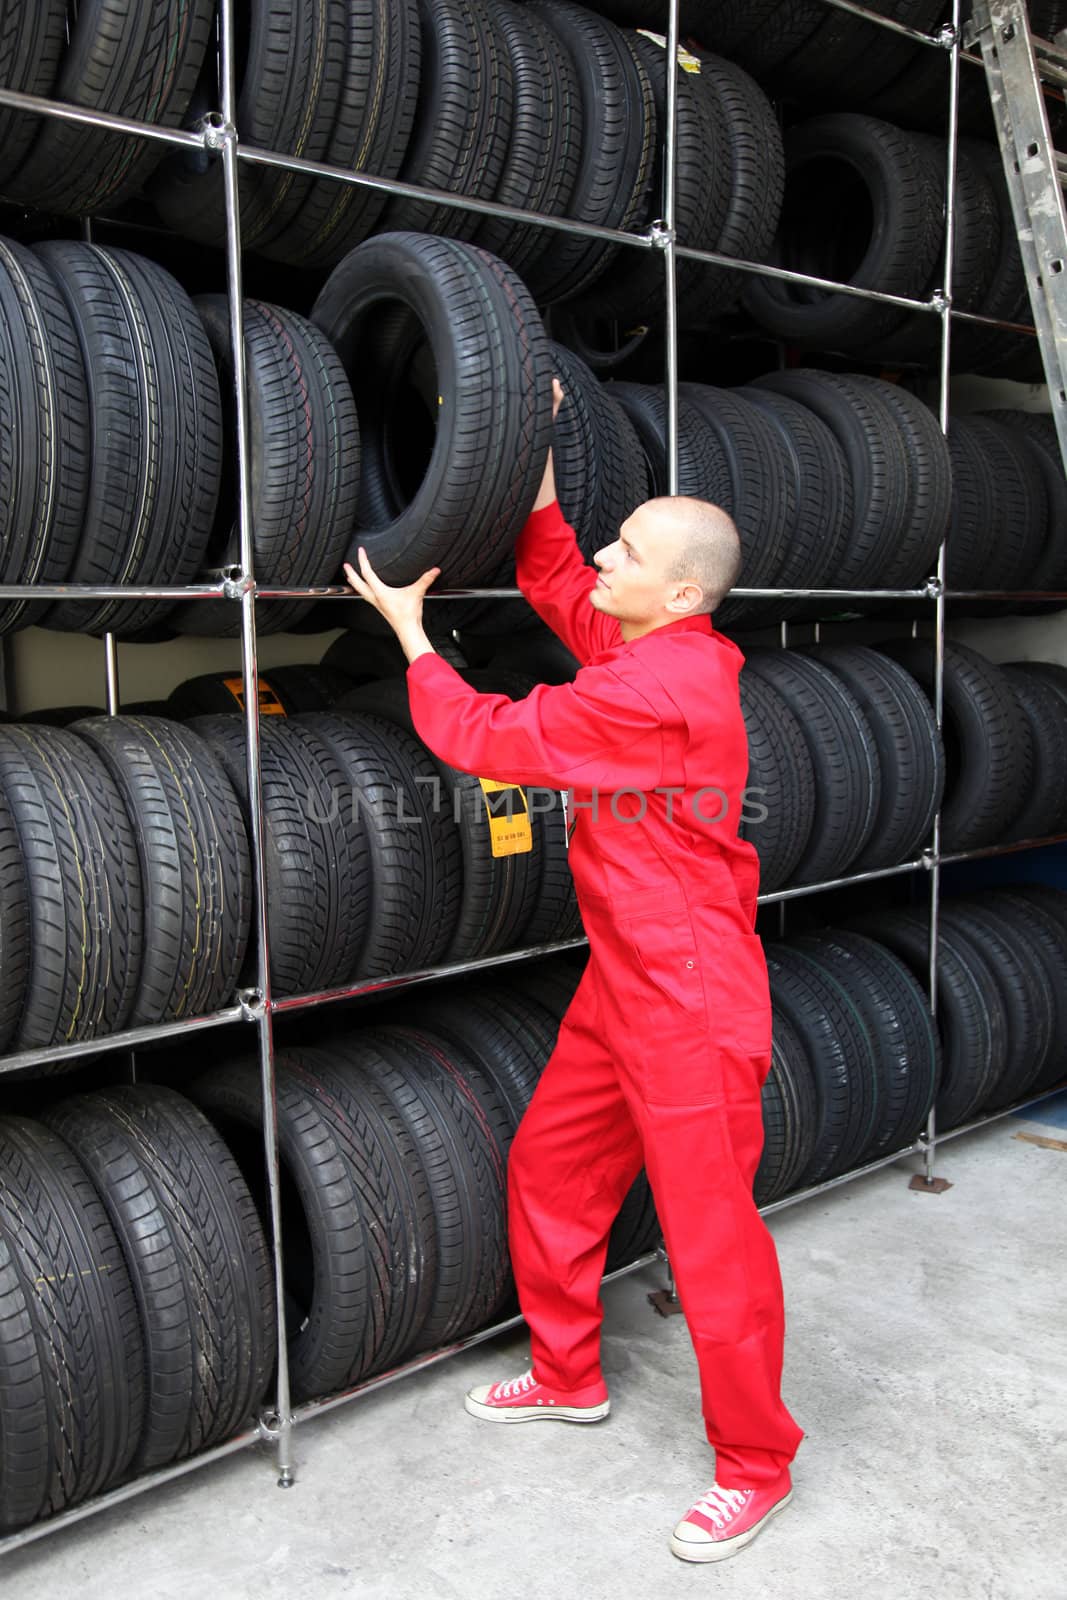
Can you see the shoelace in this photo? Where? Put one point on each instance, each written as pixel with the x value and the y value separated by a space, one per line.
pixel 722 1505
pixel 516 1386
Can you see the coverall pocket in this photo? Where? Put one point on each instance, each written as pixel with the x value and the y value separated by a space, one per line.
pixel 670 1040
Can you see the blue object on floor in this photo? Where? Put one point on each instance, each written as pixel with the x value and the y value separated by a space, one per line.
pixel 1052 1112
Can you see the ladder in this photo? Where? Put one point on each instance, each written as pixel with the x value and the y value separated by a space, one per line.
pixel 1017 65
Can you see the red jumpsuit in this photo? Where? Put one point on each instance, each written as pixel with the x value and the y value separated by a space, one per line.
pixel 664 1049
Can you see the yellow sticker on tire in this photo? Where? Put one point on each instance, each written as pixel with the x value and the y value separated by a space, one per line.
pixel 510 830
pixel 269 704
pixel 686 59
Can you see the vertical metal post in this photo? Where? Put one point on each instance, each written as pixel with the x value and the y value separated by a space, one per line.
pixel 670 263
pixel 250 672
pixel 111 669
pixel 939 612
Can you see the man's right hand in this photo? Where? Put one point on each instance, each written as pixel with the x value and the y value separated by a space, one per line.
pixel 546 495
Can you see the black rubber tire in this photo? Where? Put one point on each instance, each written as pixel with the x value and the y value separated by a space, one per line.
pixel 703 470
pixel 844 756
pixel 601 474
pixel 44 431
pixel 196 1256
pixel 84 882
pixel 789 1115
pixel 1044 808
pixel 1038 431
pixel 1045 933
pixel 489 401
pixel 544 147
pixel 781 775
pixel 901 1027
pixel 1015 502
pixel 1007 297
pixel 467 1181
pixel 552 983
pixel 971 1018
pixel 196 874
pixel 341 1195
pixel 304 436
pixel 840 1053
pixel 497 893
pixel 876 462
pixel 1014 959
pixel 363 656
pixel 987 744
pixel 616 166
pixel 318 873
pixel 283 691
pixel 486 1030
pixel 14 924
pixel 911 757
pixel 130 58
pixel 31 46
pixel 849 59
pixel 71 1355
pixel 540 654
pixel 408 926
pixel 761 34
pixel 155 415
pixel 928 494
pixel 971 530
pixel 307 686
pixel 897 231
pixel 462 122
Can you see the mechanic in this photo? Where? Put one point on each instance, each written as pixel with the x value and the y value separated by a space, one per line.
pixel 663 1051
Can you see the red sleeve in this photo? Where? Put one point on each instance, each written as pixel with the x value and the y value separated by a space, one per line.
pixel 598 732
pixel 557 583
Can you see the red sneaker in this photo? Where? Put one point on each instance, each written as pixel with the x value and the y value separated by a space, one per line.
pixel 526 1400
pixel 723 1521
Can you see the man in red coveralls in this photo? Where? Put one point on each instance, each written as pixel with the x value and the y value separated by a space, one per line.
pixel 663 1052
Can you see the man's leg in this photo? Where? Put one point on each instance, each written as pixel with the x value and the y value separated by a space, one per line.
pixel 573 1159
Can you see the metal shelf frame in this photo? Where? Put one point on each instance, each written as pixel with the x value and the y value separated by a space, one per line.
pixel 217 133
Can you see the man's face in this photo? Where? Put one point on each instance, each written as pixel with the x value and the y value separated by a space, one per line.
pixel 634 583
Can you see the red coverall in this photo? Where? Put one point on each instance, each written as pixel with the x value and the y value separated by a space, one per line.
pixel 664 1049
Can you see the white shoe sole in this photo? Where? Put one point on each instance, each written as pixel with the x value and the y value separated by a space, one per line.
pixel 536 1413
pixel 722 1549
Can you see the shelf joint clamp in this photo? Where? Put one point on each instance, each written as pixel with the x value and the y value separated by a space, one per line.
pixel 659 235
pixel 237 588
pixel 933 588
pixel 216 133
pixel 928 858
pixel 945 37
pixel 251 1002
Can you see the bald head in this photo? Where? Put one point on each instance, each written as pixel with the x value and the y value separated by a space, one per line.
pixel 706 549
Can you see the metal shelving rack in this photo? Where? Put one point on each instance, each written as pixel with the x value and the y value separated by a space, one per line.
pixel 257 1006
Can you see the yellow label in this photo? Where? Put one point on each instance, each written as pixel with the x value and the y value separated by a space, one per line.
pixel 686 59
pixel 269 704
pixel 510 835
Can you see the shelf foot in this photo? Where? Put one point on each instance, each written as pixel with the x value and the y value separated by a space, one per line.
pixel 924 1185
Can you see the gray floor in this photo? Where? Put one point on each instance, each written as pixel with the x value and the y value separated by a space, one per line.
pixel 925 1359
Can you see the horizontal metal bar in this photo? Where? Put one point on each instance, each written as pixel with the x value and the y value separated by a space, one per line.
pixel 127 1491
pixel 807 280
pixel 317 1408
pixel 993 322
pixel 802 889
pixel 995 1116
pixel 336 592
pixel 845 1177
pixel 63 111
pixel 1005 594
pixel 948 858
pixel 406 980
pixel 887 23
pixel 127 1039
pixel 112 591
pixel 442 197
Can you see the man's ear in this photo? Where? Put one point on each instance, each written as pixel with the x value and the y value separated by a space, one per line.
pixel 686 599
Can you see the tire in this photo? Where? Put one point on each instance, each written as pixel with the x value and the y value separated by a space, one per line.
pixel 304 465
pixel 1016 504
pixel 876 462
pixel 541 164
pixel 616 165
pixel 789 1115
pixel 703 470
pixel 1045 934
pixel 928 498
pixel 911 757
pixel 138 60
pixel 852 59
pixel 497 892
pixel 196 1256
pixel 408 925
pixel 900 1026
pixel 194 864
pixel 1008 296
pixel 971 530
pixel 483 1030
pixel 490 401
pixel 1014 959
pixel 317 873
pixel 44 430
pixel 361 657
pixel 839 1052
pixel 972 1021
pixel 1044 808
pixel 988 743
pixel 31 46
pixel 1042 446
pixel 601 476
pixel 71 1355
pixel 155 430
pixel 886 175
pixel 841 744
pixel 780 771
pixel 463 118
pixel 84 886
pixel 14 924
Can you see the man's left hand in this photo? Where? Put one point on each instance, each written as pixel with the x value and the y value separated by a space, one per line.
pixel 401 607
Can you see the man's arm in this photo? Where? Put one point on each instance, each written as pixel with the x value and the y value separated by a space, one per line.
pixel 598 732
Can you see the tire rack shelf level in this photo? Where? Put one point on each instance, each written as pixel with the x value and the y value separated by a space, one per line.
pixel 217 133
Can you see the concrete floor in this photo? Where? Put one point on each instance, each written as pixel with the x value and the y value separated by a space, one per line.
pixel 925 1359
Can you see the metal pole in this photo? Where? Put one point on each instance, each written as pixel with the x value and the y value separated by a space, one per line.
pixel 670 265
pixel 939 604
pixel 264 1017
